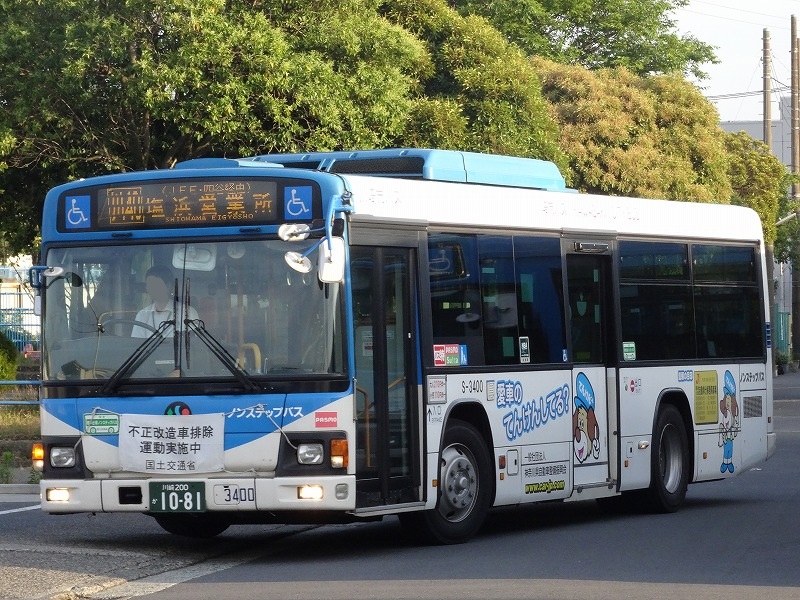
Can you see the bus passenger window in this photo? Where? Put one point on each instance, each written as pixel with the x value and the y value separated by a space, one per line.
pixel 540 297
pixel 455 293
pixel 498 299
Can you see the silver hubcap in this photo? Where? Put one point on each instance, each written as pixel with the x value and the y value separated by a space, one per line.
pixel 670 459
pixel 459 483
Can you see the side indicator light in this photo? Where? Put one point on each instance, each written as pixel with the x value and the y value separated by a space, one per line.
pixel 339 454
pixel 37 455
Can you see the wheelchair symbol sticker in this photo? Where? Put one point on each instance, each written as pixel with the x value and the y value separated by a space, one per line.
pixel 297 203
pixel 78 215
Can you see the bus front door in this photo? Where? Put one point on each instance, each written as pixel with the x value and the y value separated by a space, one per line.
pixel 387 433
pixel 591 327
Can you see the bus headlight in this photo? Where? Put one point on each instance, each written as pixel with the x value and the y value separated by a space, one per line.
pixel 309 454
pixel 310 492
pixel 57 495
pixel 62 457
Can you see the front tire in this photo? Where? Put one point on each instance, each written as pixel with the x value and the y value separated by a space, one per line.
pixel 464 489
pixel 669 461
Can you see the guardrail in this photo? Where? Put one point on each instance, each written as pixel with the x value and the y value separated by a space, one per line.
pixel 18 382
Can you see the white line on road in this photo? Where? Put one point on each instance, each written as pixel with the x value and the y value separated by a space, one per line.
pixel 510 589
pixel 16 510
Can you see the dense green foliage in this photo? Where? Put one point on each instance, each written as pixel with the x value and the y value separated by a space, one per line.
pixel 93 87
pixel 654 137
pixel 759 180
pixel 639 35
pixel 8 358
pixel 90 87
pixel 481 93
pixel 787 239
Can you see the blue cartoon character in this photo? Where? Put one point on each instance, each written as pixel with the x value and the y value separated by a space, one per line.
pixel 729 426
pixel 585 430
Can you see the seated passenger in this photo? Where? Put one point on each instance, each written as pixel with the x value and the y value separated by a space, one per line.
pixel 160 283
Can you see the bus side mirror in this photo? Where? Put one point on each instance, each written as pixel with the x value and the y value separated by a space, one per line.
pixel 330 262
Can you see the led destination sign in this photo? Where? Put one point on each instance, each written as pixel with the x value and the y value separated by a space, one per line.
pixel 187 203
pixel 177 203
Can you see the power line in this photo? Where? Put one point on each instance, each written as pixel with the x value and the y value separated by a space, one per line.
pixel 727 8
pixel 733 95
pixel 702 14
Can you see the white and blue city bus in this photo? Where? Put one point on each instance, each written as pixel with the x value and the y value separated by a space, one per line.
pixel 331 337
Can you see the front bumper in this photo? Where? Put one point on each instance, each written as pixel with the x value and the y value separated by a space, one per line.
pixel 221 494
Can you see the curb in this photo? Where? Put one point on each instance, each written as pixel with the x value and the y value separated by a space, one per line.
pixel 20 488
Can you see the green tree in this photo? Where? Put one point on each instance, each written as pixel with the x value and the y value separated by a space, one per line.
pixel 759 180
pixel 92 87
pixel 8 358
pixel 787 239
pixel 653 137
pixel 639 35
pixel 480 94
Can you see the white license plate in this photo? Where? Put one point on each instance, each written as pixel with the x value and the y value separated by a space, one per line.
pixel 233 494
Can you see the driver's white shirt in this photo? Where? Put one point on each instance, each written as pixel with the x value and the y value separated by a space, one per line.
pixel 149 315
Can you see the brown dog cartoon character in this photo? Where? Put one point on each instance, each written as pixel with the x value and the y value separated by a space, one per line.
pixel 585 430
pixel 729 426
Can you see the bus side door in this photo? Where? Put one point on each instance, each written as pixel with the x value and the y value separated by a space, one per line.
pixel 591 334
pixel 385 335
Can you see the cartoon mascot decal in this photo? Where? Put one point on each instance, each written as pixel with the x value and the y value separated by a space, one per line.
pixel 729 426
pixel 585 431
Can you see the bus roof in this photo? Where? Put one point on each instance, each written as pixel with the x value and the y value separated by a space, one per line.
pixel 487 207
pixel 423 186
pixel 438 165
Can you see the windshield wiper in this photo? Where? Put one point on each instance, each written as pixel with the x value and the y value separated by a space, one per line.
pixel 137 357
pixel 217 349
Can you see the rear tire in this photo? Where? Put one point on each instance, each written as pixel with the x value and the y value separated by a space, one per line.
pixel 194 526
pixel 465 485
pixel 669 461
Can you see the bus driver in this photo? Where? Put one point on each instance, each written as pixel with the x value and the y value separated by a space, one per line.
pixel 159 283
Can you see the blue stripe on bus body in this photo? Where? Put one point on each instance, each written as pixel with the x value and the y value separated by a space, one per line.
pixel 247 417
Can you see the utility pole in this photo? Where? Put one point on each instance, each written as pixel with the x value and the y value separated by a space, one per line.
pixel 795 338
pixel 795 108
pixel 767 96
pixel 769 248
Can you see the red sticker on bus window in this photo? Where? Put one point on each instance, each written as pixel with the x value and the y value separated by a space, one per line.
pixel 449 355
pixel 326 419
pixel 439 355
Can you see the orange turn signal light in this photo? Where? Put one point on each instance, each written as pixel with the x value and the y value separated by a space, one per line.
pixel 37 453
pixel 339 453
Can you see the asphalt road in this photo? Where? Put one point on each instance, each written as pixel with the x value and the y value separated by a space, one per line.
pixel 786 387
pixel 738 538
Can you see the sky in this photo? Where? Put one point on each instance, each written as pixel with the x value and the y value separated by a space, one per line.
pixel 736 29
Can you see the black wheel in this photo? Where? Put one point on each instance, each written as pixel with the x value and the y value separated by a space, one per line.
pixel 669 461
pixel 464 489
pixel 195 526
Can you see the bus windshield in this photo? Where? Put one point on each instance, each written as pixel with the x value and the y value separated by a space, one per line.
pixel 192 309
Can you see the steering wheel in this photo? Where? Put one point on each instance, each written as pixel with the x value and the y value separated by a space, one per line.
pixel 134 322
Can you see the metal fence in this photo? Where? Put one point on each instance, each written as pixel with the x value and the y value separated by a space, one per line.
pixel 17 320
pixel 6 398
pixel 23 328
